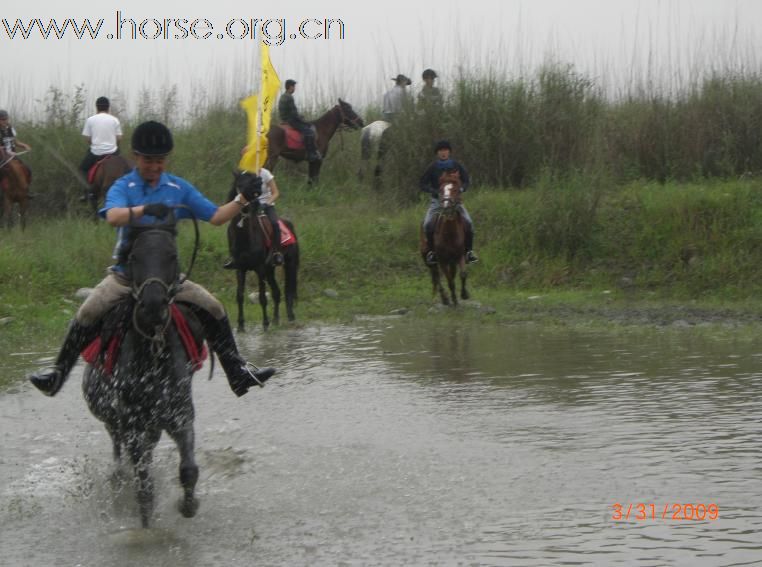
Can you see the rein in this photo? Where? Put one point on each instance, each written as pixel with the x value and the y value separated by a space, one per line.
pixel 158 337
pixel 10 158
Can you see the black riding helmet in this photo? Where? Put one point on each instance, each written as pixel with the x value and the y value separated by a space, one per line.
pixel 442 145
pixel 152 139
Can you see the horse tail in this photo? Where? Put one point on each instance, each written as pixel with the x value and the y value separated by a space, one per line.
pixel 292 265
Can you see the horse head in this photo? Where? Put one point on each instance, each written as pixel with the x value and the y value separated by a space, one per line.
pixel 348 116
pixel 246 182
pixel 154 269
pixel 450 194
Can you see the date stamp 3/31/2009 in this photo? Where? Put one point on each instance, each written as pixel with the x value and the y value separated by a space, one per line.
pixel 644 511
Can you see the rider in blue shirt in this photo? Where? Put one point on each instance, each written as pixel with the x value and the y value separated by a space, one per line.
pixel 142 196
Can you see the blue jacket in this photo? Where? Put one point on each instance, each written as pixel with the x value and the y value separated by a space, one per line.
pixel 430 179
pixel 131 190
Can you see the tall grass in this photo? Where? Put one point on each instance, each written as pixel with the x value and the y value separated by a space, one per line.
pixel 510 132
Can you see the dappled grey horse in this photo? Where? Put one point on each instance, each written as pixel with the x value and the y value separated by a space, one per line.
pixel 149 389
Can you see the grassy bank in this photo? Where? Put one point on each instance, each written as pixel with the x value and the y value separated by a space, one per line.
pixel 572 240
pixel 510 131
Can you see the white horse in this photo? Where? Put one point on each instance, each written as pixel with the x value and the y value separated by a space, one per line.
pixel 371 146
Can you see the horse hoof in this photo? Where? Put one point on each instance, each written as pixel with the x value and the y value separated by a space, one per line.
pixel 188 507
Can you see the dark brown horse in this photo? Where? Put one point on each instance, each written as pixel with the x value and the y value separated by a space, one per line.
pixel 249 236
pixel 14 184
pixel 325 127
pixel 449 240
pixel 109 170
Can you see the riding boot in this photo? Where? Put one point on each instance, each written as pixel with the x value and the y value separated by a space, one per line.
pixel 431 257
pixel 88 195
pixel 471 258
pixel 50 381
pixel 277 253
pixel 312 152
pixel 219 335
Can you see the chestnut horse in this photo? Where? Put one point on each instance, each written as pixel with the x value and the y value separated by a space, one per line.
pixel 325 127
pixel 14 184
pixel 110 169
pixel 449 241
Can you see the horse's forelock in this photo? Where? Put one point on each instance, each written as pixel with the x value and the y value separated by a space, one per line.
pixel 150 250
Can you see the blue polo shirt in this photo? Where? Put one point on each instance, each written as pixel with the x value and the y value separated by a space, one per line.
pixel 131 190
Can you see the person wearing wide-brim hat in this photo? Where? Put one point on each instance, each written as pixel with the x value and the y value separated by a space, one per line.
pixel 396 98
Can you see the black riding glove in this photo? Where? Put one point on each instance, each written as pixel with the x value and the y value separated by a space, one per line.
pixel 158 210
pixel 252 189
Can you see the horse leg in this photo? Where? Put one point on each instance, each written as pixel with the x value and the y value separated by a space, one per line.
pixel 290 268
pixel 263 300
pixel 463 276
pixel 436 281
pixel 92 198
pixel 275 290
pixel 450 271
pixel 23 205
pixel 140 448
pixel 184 439
pixel 7 210
pixel 240 289
pixel 314 172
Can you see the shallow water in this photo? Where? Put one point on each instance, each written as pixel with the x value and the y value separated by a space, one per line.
pixel 385 443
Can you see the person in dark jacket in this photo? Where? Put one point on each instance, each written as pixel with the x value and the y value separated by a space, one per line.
pixel 430 184
pixel 290 115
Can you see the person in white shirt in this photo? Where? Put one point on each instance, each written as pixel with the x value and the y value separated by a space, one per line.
pixel 396 98
pixel 266 199
pixel 103 133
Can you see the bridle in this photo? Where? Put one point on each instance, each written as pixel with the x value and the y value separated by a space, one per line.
pixel 157 336
pixel 345 118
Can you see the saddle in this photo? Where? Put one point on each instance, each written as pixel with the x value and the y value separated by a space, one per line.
pixel 94 169
pixel 294 138
pixel 103 352
pixel 287 237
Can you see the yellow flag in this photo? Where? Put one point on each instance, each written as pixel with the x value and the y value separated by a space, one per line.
pixel 268 90
pixel 256 143
pixel 259 112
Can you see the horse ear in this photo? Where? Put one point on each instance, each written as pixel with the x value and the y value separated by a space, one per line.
pixel 341 101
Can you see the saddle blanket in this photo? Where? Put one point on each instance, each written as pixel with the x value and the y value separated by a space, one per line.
pixel 287 237
pixel 105 359
pixel 294 138
pixel 91 172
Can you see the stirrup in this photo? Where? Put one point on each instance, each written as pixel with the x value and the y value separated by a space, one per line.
pixel 471 258
pixel 277 258
pixel 259 375
pixel 431 258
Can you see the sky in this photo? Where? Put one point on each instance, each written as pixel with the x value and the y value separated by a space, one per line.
pixel 615 42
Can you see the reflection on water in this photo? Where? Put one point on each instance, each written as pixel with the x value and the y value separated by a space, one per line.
pixel 392 443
